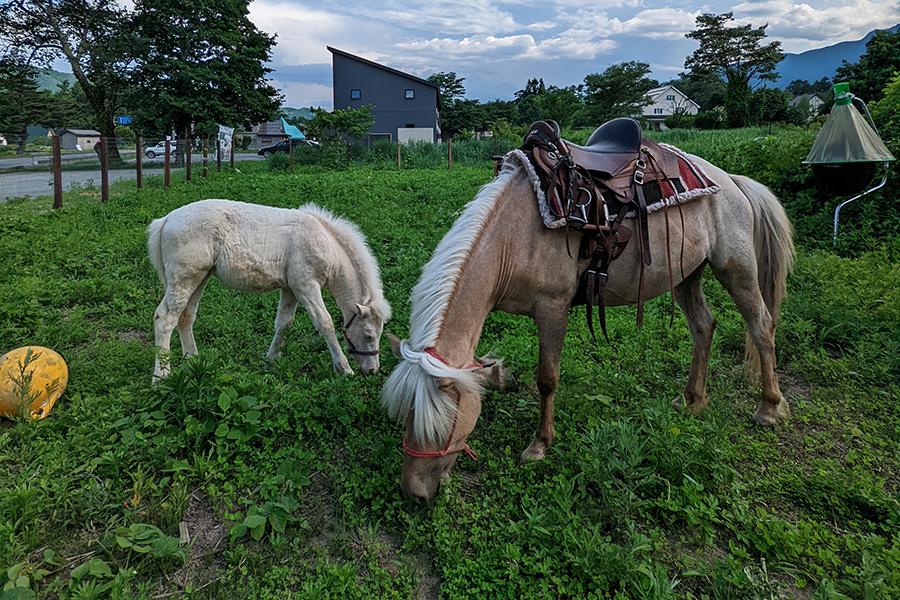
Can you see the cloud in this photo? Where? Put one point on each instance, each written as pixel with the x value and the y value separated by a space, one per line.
pixel 801 27
pixel 298 94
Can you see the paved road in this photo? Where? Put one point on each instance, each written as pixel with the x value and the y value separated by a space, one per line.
pixel 36 184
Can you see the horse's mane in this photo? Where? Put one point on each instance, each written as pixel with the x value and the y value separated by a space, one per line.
pixel 353 240
pixel 412 385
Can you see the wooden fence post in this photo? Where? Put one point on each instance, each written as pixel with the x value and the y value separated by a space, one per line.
pixel 348 154
pixel 57 172
pixel 218 155
pixel 398 155
pixel 139 155
pixel 166 164
pixel 205 154
pixel 187 159
pixel 104 170
pixel 291 152
pixel 231 157
pixel 449 154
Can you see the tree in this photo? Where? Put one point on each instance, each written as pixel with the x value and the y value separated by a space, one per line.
pixel 617 92
pixel 21 103
pixel 457 113
pixel 769 105
pixel 91 35
pixel 735 57
pixel 876 68
pixel 450 85
pixel 200 63
pixel 798 87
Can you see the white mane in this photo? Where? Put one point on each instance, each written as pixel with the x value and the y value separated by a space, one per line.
pixel 351 238
pixel 413 385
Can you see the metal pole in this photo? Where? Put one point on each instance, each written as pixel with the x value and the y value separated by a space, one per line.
pixel 205 151
pixel 398 155
pixel 140 163
pixel 837 211
pixel 57 172
pixel 231 154
pixel 449 154
pixel 166 164
pixel 291 152
pixel 104 171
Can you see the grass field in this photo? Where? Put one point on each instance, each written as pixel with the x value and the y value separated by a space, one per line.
pixel 286 477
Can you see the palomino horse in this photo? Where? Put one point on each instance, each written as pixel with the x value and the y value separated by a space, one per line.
pixel 499 256
pixel 254 248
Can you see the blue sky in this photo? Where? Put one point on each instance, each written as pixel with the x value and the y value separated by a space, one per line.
pixel 498 46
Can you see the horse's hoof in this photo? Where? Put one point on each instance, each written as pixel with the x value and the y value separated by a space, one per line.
pixel 770 415
pixel 534 453
pixel 693 409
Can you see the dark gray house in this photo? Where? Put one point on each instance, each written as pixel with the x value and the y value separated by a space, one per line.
pixel 405 107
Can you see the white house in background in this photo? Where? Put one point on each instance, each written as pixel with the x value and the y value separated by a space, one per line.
pixel 664 102
pixel 814 101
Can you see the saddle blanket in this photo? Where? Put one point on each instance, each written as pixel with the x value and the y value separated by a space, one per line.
pixel 693 183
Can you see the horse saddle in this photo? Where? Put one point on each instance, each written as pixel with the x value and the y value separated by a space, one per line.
pixel 594 186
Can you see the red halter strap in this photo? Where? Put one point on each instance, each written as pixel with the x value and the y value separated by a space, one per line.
pixel 442 453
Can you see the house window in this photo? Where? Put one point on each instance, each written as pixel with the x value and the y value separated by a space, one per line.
pixel 410 94
pixel 354 94
pixel 266 140
pixel 410 125
pixel 657 111
pixel 670 97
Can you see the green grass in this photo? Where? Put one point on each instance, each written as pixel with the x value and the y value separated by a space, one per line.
pixel 288 477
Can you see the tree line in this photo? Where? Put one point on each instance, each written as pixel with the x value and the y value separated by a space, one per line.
pixel 173 66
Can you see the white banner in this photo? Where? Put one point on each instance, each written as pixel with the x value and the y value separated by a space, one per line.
pixel 226 137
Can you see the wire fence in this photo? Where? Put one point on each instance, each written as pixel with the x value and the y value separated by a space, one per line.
pixel 43 174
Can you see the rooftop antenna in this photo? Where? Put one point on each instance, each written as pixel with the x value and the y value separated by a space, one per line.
pixel 847 152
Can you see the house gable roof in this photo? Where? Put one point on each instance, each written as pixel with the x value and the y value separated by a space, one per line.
pixel 657 92
pixel 388 69
pixel 82 132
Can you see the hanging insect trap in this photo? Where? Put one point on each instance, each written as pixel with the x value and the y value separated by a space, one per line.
pixel 847 154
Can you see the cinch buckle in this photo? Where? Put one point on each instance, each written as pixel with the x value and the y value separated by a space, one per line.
pixel 639 173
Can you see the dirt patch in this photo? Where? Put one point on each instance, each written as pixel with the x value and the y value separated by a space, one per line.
pixel 207 542
pixel 131 335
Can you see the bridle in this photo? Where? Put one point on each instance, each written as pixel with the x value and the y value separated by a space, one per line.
pixel 350 347
pixel 465 447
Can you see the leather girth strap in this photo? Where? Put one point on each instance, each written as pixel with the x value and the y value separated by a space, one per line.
pixel 586 185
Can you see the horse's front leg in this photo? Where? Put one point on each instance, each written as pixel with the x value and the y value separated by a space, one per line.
pixel 701 324
pixel 311 299
pixel 551 325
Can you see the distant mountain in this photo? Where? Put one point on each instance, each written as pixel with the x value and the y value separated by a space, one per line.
pixel 290 113
pixel 813 65
pixel 48 79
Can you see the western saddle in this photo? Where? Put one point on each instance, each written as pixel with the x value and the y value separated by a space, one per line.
pixel 593 187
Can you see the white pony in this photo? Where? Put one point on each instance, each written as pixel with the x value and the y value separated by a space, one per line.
pixel 254 248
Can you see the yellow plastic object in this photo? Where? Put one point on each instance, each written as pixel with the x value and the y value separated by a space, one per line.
pixel 34 376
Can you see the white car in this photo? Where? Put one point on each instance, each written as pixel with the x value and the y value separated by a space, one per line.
pixel 160 149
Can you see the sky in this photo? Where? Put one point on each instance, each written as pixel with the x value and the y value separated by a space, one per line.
pixel 497 46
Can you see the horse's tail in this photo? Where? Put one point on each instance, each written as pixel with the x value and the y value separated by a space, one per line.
pixel 773 241
pixel 154 246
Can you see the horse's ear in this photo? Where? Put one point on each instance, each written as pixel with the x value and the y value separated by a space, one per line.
pixel 363 310
pixel 394 343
